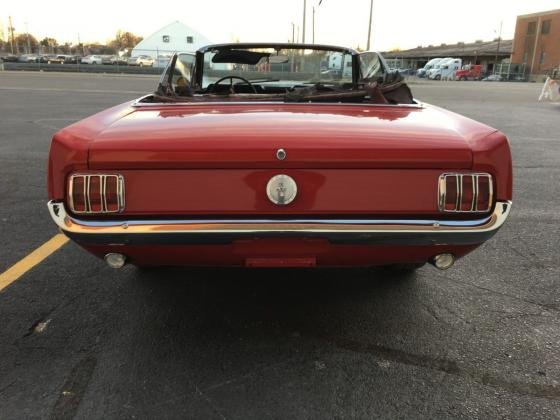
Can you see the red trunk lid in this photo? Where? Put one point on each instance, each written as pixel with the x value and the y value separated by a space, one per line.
pixel 313 136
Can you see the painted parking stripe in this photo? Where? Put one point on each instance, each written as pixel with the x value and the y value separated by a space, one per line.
pixel 27 263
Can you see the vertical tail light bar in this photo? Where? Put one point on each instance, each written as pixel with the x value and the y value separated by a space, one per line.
pixel 465 193
pixel 96 193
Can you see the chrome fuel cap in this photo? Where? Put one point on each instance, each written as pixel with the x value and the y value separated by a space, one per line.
pixel 281 189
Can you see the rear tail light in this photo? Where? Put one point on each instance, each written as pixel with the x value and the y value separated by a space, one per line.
pixel 96 193
pixel 465 193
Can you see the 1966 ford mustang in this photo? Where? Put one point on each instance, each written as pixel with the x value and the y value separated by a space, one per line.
pixel 279 155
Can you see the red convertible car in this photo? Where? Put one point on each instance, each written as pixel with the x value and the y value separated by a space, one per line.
pixel 279 155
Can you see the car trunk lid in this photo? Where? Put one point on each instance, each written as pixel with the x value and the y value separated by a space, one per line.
pixel 248 135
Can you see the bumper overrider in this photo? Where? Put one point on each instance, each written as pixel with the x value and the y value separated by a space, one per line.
pixel 224 231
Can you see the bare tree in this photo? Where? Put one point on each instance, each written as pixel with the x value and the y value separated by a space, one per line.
pixel 22 41
pixel 124 40
pixel 49 44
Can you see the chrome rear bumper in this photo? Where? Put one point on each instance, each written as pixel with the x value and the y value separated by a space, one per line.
pixel 340 231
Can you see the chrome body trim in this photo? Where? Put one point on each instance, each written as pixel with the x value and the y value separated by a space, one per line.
pixel 474 180
pixel 139 104
pixel 354 231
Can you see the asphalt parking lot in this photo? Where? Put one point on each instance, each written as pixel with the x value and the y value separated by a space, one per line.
pixel 78 339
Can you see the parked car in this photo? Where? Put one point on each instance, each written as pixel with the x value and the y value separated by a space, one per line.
pixel 10 58
pixel 493 78
pixel 163 61
pixel 56 59
pixel 121 61
pixel 106 59
pixel 92 59
pixel 141 60
pixel 73 59
pixel 114 59
pixel 406 71
pixel 28 58
pixel 295 170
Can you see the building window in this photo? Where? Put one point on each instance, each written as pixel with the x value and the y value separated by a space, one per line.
pixel 190 40
pixel 543 57
pixel 165 38
pixel 525 56
pixel 531 28
pixel 545 29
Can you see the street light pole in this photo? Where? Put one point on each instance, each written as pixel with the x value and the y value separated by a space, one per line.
pixel 369 26
pixel 498 48
pixel 303 27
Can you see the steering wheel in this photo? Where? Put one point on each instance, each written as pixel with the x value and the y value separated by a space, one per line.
pixel 231 83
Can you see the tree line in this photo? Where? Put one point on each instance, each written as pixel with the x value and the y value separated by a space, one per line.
pixel 24 43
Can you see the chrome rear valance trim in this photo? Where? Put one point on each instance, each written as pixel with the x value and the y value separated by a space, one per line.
pixel 226 230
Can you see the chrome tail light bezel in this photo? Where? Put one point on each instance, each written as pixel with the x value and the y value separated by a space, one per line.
pixel 475 182
pixel 120 193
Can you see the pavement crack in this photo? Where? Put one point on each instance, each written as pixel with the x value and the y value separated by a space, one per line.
pixel 74 389
pixel 533 389
pixel 532 260
pixel 209 402
pixel 451 367
pixel 399 356
pixel 246 375
pixel 547 306
pixel 431 311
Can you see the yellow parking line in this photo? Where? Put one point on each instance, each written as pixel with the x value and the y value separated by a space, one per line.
pixel 27 263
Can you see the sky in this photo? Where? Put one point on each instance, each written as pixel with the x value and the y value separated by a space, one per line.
pixel 396 23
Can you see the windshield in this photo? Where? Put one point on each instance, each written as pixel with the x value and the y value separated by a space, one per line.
pixel 280 72
pixel 284 67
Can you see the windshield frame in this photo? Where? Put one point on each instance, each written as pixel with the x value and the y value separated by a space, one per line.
pixel 197 81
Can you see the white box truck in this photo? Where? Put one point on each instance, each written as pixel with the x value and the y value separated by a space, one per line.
pixel 428 66
pixel 445 70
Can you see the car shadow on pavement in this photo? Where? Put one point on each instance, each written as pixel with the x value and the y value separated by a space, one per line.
pixel 284 297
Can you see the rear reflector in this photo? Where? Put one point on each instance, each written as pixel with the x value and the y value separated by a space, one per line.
pixel 465 193
pixel 96 193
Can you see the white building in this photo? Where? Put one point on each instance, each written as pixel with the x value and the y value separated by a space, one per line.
pixel 175 37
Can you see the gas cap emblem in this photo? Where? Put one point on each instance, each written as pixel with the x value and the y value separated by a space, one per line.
pixel 281 189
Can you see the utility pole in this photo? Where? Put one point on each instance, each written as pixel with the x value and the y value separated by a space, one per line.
pixel 313 39
pixel 293 32
pixel 303 28
pixel 369 26
pixel 498 48
pixel 11 33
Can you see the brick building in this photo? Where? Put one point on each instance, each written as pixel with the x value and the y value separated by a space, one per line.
pixel 537 42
